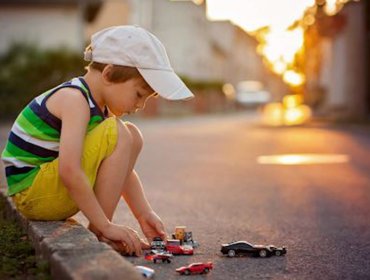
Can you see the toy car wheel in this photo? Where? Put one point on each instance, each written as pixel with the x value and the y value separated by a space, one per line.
pixel 231 253
pixel 154 260
pixel 277 253
pixel 187 272
pixel 168 260
pixel 206 270
pixel 263 253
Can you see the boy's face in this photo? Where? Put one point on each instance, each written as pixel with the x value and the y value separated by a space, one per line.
pixel 127 97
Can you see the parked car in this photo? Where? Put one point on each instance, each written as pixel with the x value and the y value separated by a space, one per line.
pixel 173 246
pixel 155 256
pixel 251 93
pixel 146 272
pixel 195 268
pixel 242 248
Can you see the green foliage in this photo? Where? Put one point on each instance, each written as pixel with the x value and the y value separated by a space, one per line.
pixel 26 71
pixel 17 256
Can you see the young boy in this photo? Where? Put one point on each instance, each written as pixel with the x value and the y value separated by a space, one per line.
pixel 67 150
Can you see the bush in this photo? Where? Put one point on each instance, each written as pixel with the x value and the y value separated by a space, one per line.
pixel 26 71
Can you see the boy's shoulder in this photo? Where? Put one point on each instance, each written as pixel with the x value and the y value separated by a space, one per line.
pixel 66 99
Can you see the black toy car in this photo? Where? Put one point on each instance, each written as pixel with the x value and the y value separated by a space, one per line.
pixel 242 248
pixel 158 244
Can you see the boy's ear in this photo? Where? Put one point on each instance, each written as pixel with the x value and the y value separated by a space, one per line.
pixel 106 73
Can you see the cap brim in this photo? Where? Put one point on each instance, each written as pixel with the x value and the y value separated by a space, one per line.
pixel 166 83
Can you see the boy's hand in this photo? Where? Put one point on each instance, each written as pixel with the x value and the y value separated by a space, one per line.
pixel 124 239
pixel 152 226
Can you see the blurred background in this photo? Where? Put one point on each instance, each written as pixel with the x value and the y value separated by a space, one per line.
pixel 206 164
pixel 292 61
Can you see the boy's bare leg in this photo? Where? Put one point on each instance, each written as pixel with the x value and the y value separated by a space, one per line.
pixel 116 168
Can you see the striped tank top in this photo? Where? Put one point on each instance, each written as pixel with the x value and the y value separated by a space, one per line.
pixel 34 137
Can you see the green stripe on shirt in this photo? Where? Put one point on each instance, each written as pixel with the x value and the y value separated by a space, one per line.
pixel 41 124
pixel 94 121
pixel 47 133
pixel 13 151
pixel 23 184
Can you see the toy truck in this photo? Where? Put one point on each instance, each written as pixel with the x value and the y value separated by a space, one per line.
pixel 185 237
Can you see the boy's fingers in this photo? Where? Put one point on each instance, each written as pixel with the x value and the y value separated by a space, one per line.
pixel 117 246
pixel 135 242
pixel 144 245
pixel 130 247
pixel 137 248
pixel 164 237
pixel 161 232
pixel 160 228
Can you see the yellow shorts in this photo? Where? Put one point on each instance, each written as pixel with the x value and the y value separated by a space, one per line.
pixel 48 198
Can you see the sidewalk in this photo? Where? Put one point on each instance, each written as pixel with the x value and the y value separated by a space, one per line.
pixel 72 251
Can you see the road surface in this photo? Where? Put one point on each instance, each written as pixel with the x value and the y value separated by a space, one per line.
pixel 203 172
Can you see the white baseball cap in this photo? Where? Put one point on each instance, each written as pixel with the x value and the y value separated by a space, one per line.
pixel 134 46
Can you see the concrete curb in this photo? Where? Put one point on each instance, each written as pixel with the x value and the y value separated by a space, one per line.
pixel 72 251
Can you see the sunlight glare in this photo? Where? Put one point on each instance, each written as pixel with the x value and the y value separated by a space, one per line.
pixel 290 112
pixel 292 101
pixel 293 78
pixel 332 7
pixel 297 115
pixel 280 47
pixel 252 15
pixel 302 159
pixel 278 26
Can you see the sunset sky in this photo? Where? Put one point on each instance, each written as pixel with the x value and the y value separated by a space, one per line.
pixel 253 14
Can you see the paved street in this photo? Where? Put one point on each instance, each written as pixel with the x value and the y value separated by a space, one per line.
pixel 202 172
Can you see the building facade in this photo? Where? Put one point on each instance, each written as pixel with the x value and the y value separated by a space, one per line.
pixel 198 48
pixel 339 76
pixel 46 24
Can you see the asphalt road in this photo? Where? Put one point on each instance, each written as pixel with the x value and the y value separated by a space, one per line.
pixel 202 172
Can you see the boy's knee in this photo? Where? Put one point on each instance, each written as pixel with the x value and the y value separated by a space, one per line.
pixel 130 135
pixel 137 137
pixel 124 134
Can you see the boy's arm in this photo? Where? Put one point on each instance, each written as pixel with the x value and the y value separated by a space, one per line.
pixel 149 221
pixel 135 196
pixel 74 112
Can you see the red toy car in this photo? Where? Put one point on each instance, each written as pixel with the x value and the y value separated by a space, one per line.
pixel 157 256
pixel 173 246
pixel 195 268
